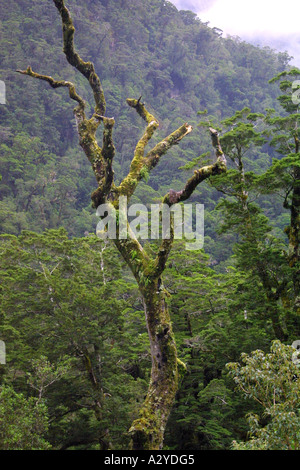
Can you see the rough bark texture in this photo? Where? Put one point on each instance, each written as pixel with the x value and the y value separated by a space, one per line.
pixel 148 430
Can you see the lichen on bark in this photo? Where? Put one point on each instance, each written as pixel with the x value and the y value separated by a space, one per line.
pixel 147 431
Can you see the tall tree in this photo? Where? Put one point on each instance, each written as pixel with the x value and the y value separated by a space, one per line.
pixel 258 254
pixel 270 380
pixel 148 430
pixel 284 174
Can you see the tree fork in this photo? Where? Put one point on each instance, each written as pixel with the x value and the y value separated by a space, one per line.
pixel 147 431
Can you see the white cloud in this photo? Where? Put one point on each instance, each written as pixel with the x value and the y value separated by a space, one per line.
pixel 193 5
pixel 269 22
pixel 264 16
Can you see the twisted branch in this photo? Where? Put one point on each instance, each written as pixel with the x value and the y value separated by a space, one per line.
pixel 57 84
pixel 174 197
pixel 141 163
pixel 87 69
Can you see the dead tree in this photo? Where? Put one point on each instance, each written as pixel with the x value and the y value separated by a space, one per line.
pixel 147 431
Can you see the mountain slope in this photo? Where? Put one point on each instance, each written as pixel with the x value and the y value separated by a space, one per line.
pixel 178 64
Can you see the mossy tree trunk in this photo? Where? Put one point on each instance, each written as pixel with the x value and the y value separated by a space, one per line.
pixel 148 430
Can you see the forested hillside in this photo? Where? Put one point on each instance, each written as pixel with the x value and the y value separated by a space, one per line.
pixel 78 359
pixel 179 66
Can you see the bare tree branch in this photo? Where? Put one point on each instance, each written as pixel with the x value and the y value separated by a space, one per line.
pixel 174 197
pixel 148 162
pixel 147 431
pixel 87 69
pixel 57 84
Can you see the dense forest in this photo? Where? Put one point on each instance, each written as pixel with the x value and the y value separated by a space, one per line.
pixel 144 344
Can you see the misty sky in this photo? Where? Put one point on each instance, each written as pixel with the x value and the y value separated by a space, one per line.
pixel 266 22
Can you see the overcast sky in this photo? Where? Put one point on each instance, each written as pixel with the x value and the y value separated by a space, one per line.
pixel 267 22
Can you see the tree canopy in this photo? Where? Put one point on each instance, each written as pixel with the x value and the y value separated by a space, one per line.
pixel 129 344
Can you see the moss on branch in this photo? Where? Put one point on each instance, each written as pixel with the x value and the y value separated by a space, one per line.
pixel 141 163
pixel 56 84
pixel 148 430
pixel 87 69
pixel 220 166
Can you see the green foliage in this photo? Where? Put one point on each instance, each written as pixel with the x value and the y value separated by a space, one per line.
pixel 258 252
pixel 65 324
pixel 207 308
pixel 177 62
pixel 24 421
pixel 271 380
pixel 70 312
pixel 145 174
